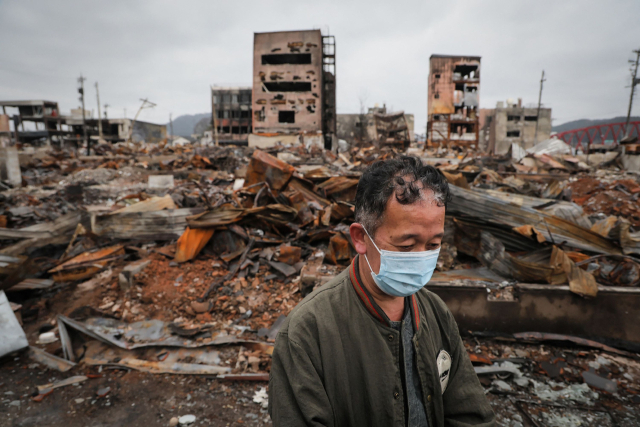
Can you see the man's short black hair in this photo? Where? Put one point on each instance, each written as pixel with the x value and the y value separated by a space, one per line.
pixel 405 177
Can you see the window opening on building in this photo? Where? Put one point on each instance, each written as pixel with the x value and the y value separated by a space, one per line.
pixel 286 86
pixel 286 58
pixel 286 116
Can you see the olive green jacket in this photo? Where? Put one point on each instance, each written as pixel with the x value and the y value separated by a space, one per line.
pixel 336 362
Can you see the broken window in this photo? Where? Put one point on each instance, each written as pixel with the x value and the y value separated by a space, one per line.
pixel 234 98
pixel 437 76
pixel 226 98
pixel 286 116
pixel 286 58
pixel 225 114
pixel 511 118
pixel 530 118
pixel 225 129
pixel 513 133
pixel 286 87
pixel 436 96
pixel 235 114
pixel 220 114
pixel 259 115
pixel 244 114
pixel 235 130
pixel 465 71
pixel 244 130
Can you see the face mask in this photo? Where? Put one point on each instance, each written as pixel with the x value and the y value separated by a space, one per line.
pixel 403 273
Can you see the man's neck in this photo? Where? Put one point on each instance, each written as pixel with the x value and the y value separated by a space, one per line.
pixel 392 306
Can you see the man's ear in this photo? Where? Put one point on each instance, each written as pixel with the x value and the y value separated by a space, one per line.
pixel 356 231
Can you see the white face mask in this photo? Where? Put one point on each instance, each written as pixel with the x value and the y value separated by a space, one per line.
pixel 403 273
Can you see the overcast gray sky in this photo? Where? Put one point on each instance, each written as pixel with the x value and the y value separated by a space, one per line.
pixel 171 51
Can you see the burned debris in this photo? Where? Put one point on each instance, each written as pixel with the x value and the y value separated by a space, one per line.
pixel 139 253
pixel 186 260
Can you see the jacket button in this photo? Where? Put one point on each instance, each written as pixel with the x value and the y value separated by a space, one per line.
pixel 396 395
pixel 429 398
pixel 390 337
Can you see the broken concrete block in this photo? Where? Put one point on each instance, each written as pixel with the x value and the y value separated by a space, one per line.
pixel 125 279
pixel 10 166
pixel 13 337
pixel 201 307
pixel 161 181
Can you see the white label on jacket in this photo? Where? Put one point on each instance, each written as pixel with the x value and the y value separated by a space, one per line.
pixel 444 366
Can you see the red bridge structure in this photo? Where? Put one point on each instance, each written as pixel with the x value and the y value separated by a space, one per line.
pixel 607 134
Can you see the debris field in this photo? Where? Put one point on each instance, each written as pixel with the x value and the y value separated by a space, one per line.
pixel 148 282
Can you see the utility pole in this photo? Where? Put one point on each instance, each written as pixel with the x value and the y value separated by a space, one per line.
pixel 214 118
pixel 171 125
pixel 535 137
pixel 84 122
pixel 145 104
pixel 105 110
pixel 634 82
pixel 99 115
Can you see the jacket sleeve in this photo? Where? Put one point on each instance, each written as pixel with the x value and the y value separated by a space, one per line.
pixel 296 393
pixel 464 401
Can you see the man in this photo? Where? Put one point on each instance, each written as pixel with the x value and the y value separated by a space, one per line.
pixel 372 347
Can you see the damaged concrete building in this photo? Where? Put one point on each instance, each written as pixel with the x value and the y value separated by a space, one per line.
pixel 454 99
pixel 513 123
pixel 231 113
pixel 376 126
pixel 33 120
pixel 294 86
pixel 115 130
pixel 37 121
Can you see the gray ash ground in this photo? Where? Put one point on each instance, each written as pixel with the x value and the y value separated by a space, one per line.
pixel 141 399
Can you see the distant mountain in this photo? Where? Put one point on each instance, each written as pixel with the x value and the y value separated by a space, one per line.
pixel 184 125
pixel 202 125
pixel 583 123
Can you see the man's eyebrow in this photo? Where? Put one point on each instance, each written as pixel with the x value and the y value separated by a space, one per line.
pixel 410 236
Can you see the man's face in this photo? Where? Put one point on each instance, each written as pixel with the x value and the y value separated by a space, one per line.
pixel 405 228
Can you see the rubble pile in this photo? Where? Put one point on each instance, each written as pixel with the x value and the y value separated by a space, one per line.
pixel 534 383
pixel 215 245
pixel 187 260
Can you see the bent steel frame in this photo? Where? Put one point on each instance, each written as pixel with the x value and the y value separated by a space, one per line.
pixel 598 134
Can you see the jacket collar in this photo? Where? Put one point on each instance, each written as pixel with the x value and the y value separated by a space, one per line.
pixel 369 303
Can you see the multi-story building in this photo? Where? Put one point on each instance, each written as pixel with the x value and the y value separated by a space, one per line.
pixel 32 121
pixel 294 84
pixel 377 127
pixel 454 99
pixel 504 125
pixel 231 113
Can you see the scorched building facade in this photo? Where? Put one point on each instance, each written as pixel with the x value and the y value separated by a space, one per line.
pixel 294 83
pixel 454 99
pixel 231 113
